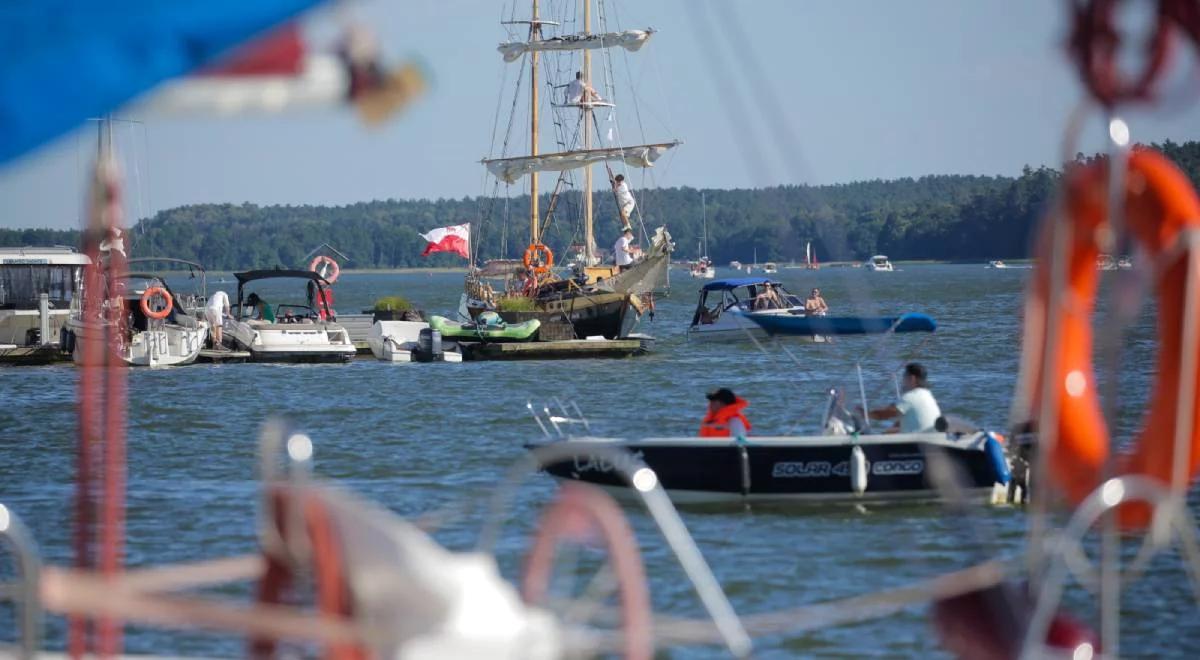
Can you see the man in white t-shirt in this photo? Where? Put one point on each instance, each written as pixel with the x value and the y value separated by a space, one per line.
pixel 215 312
pixel 579 91
pixel 917 409
pixel 623 248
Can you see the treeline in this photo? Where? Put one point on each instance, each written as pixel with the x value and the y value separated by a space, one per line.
pixel 932 217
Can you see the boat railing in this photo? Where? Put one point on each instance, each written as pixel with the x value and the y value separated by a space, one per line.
pixel 23 592
pixel 568 414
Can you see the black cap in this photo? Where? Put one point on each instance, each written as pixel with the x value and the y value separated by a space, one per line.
pixel 724 395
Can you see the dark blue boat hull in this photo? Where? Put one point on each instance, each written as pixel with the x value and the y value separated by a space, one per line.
pixel 787 324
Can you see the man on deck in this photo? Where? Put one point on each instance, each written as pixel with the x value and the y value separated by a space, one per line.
pixel 624 198
pixel 623 249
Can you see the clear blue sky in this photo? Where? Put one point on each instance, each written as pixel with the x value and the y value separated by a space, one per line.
pixel 868 89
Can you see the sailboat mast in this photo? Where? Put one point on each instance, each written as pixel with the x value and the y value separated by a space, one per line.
pixel 534 34
pixel 589 239
pixel 704 222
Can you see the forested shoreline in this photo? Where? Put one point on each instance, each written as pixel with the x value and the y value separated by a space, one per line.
pixel 944 217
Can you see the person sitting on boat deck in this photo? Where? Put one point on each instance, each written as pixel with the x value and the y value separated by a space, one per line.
pixel 624 198
pixel 724 418
pixel 815 304
pixel 215 312
pixel 623 249
pixel 917 409
pixel 260 308
pixel 581 92
pixel 769 298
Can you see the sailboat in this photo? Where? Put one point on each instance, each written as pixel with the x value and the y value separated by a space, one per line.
pixel 595 299
pixel 810 257
pixel 703 267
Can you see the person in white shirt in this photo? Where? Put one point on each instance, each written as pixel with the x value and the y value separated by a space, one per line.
pixel 215 311
pixel 917 409
pixel 624 198
pixel 623 248
pixel 580 92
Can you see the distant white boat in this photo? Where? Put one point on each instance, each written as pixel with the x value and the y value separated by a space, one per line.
pixel 997 264
pixel 880 263
pixel 770 268
pixel 736 265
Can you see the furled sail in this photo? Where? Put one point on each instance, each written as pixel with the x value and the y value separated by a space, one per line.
pixel 510 170
pixel 630 40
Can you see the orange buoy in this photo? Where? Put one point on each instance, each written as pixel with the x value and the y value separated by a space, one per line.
pixel 1162 212
pixel 538 258
pixel 149 293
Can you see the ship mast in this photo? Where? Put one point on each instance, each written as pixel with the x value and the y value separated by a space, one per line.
pixel 588 240
pixel 535 30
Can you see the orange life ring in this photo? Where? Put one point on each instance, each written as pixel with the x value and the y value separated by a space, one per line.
pixel 1162 210
pixel 162 313
pixel 334 269
pixel 538 258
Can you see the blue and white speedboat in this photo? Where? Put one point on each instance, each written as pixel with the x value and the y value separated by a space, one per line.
pixel 737 309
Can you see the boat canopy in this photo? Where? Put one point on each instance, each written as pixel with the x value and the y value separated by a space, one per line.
pixel 251 275
pixel 509 170
pixel 726 285
pixel 630 40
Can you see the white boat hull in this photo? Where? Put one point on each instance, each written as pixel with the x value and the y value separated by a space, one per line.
pixel 396 341
pixel 307 341
pixel 166 345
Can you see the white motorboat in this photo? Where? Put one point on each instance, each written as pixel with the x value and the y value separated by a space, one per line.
pixel 880 263
pixel 702 269
pixel 403 341
pixel 770 268
pixel 159 332
pixel 290 332
pixel 997 264
pixel 736 265
pixel 37 289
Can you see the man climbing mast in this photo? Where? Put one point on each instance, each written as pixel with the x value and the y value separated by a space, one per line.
pixel 625 203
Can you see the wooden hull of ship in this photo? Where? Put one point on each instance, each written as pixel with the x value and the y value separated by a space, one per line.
pixel 603 314
pixel 646 276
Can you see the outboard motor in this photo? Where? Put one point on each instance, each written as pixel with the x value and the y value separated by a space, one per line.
pixel 429 346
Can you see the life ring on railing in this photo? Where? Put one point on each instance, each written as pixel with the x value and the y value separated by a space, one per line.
pixel 582 514
pixel 538 259
pixel 330 273
pixel 149 293
pixel 1163 213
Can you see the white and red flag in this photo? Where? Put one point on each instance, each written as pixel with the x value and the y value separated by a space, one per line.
pixel 448 239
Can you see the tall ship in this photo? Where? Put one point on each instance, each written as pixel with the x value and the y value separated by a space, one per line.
pixel 594 298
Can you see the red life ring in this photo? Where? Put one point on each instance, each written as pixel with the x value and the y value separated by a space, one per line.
pixel 538 258
pixel 150 293
pixel 1162 209
pixel 331 273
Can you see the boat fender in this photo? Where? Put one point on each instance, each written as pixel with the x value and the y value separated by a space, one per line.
pixel 996 458
pixel 858 470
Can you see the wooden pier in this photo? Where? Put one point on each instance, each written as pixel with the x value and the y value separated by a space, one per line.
pixel 222 357
pixel 32 355
pixel 553 350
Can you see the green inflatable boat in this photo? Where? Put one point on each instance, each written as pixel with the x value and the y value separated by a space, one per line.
pixel 488 326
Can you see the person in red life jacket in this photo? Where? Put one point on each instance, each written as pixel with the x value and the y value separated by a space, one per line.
pixel 724 418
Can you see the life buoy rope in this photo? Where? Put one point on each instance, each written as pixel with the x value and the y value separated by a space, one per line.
pixel 1163 214
pixel 148 295
pixel 331 273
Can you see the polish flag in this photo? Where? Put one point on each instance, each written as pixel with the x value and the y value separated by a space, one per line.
pixel 448 239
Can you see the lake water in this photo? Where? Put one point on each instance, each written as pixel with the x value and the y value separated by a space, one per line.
pixel 418 437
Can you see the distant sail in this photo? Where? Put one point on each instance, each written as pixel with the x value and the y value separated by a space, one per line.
pixel 630 40
pixel 510 170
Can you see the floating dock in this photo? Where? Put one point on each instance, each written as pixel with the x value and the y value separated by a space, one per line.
pixel 32 355
pixel 222 357
pixel 553 350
